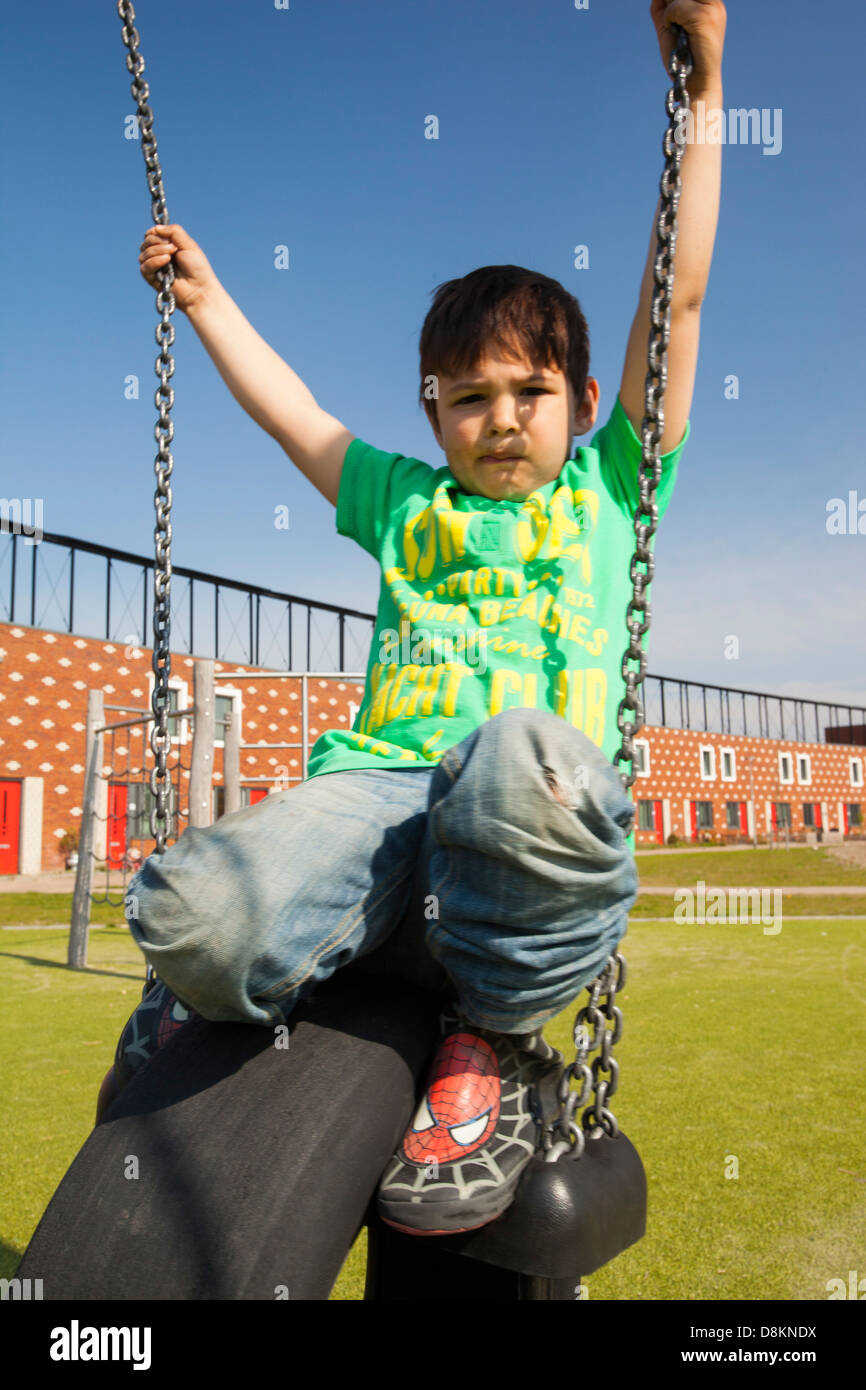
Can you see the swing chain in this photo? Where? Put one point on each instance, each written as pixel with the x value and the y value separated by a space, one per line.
pixel 563 1135
pixel 160 816
pixel 597 1118
pixel 653 426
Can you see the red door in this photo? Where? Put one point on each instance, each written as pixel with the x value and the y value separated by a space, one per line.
pixel 658 822
pixel 773 814
pixel 744 818
pixel 844 818
pixel 10 826
pixel 693 818
pixel 117 794
pixel 257 794
pixel 819 825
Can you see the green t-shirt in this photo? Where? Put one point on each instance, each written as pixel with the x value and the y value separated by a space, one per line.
pixel 485 605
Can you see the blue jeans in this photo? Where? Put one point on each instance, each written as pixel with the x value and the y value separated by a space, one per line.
pixel 501 876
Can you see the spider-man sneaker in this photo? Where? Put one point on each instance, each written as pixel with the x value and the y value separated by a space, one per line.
pixel 153 1022
pixel 478 1125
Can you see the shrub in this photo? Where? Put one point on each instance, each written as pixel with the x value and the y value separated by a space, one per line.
pixel 68 842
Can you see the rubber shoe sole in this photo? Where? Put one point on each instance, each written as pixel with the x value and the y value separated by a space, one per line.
pixel 474 1132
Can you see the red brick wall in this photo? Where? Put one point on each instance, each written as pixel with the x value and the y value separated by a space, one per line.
pixel 45 677
pixel 44 680
pixel 675 773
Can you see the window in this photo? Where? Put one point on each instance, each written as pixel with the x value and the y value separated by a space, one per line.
pixel 704 815
pixel 804 767
pixel 223 708
pixel 783 814
pixel 178 692
pixel 641 758
pixel 227 700
pixel 809 814
pixel 786 768
pixel 729 765
pixel 855 812
pixel 175 725
pixel 732 809
pixel 219 800
pixel 140 801
pixel 855 769
pixel 708 763
pixel 645 816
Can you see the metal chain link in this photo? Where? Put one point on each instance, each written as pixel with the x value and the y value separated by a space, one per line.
pixel 563 1135
pixel 160 816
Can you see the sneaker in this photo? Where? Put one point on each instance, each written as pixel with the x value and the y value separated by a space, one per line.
pixel 153 1022
pixel 478 1125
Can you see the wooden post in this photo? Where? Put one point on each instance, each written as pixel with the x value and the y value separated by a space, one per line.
pixel 232 763
pixel 80 920
pixel 201 770
pixel 304 725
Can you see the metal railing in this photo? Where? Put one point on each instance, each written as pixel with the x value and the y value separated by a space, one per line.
pixel 696 705
pixel 95 590
pixel 70 585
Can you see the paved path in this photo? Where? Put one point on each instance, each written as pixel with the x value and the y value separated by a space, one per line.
pixel 60 882
pixel 800 917
pixel 784 888
pixel 65 882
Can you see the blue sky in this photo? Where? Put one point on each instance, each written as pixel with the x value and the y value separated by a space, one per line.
pixel 305 127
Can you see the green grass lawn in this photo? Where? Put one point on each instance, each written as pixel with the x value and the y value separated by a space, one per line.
pixel 49 909
pixel 655 905
pixel 735 1044
pixel 754 868
pixel 749 868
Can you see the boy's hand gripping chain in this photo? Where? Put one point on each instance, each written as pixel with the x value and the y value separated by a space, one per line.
pixel 563 1135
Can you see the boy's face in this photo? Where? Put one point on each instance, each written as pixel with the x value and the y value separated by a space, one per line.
pixel 520 410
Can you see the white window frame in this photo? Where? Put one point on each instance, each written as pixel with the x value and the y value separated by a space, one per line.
pixel 733 756
pixel 644 744
pixel 711 775
pixel 852 764
pixel 182 725
pixel 237 708
pixel 783 780
pixel 807 780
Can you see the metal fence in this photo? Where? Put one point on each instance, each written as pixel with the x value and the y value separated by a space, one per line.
pixel 65 584
pixel 116 751
pixel 678 704
pixel 70 585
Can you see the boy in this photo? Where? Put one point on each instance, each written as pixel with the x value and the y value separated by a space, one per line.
pixel 470 827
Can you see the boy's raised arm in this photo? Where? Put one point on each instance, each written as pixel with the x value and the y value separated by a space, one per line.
pixel 701 172
pixel 257 377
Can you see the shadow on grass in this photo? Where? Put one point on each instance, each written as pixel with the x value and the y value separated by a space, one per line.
pixel 10 1259
pixel 62 965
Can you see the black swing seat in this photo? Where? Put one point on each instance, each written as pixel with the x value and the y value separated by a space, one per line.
pixel 232 1168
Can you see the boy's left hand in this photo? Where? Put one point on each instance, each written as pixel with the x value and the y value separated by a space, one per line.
pixel 704 21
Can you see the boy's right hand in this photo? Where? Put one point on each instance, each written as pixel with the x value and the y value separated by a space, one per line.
pixel 193 275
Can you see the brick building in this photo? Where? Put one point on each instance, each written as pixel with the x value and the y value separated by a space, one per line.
pixel 696 785
pixel 44 680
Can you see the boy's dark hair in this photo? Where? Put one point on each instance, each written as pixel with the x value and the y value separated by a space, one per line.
pixel 511 308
